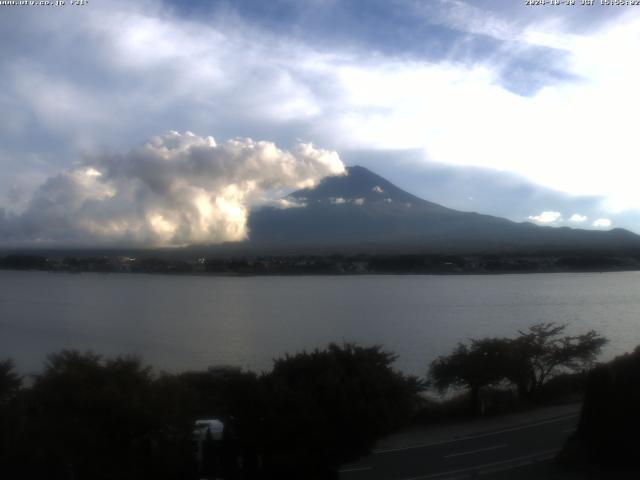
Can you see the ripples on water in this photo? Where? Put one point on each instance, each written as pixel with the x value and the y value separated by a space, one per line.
pixel 184 322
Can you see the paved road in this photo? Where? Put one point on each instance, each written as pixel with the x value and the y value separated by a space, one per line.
pixel 459 458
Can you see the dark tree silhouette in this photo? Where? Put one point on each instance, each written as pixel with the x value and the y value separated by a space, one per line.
pixel 480 364
pixel 329 406
pixel 10 381
pixel 235 397
pixel 528 361
pixel 10 385
pixel 89 418
pixel 543 352
pixel 610 419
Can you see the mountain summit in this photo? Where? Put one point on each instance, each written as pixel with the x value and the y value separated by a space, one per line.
pixel 359 185
pixel 362 211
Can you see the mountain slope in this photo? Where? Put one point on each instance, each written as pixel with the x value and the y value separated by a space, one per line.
pixel 363 211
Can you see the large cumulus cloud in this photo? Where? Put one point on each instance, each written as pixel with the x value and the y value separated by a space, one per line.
pixel 177 189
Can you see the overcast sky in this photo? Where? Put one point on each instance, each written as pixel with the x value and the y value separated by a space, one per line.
pixel 118 118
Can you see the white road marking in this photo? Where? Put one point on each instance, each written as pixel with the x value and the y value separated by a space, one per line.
pixel 494 447
pixel 462 439
pixel 518 460
pixel 355 469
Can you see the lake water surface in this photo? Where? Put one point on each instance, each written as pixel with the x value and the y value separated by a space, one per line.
pixel 191 322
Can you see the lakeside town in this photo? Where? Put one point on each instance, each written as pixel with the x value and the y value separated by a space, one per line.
pixel 360 264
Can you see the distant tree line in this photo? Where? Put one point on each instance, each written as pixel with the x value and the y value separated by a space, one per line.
pixel 332 264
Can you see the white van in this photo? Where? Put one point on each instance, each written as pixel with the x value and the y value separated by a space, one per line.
pixel 202 428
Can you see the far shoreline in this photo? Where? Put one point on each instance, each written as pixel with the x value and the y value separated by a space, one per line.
pixel 328 274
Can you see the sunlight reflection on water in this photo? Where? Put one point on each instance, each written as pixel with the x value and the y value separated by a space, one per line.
pixel 180 322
